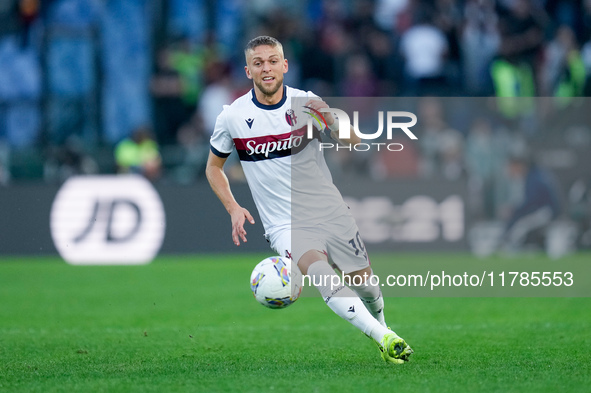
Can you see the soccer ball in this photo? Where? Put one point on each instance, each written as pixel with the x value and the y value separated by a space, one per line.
pixel 274 283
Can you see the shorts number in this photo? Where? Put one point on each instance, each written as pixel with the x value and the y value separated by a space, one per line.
pixel 357 245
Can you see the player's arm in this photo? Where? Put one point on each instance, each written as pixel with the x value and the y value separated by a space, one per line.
pixel 317 104
pixel 221 187
pixel 353 140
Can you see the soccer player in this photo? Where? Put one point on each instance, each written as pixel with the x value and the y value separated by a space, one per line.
pixel 303 213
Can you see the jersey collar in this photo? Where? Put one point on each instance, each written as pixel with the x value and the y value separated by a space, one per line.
pixel 270 107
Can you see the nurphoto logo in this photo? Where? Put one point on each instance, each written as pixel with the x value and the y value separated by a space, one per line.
pixel 344 129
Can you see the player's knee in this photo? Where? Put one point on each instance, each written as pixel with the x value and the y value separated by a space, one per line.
pixel 309 258
pixel 360 277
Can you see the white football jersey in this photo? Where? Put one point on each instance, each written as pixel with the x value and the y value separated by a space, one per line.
pixel 286 171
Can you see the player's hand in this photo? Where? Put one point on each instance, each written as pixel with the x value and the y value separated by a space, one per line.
pixel 318 104
pixel 239 215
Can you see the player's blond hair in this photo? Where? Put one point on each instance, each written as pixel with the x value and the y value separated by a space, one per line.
pixel 263 40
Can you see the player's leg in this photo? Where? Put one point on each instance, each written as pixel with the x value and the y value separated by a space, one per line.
pixel 340 298
pixel 393 348
pixel 366 286
pixel 348 252
pixel 346 304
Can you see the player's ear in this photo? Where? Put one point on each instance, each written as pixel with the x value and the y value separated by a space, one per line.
pixel 248 75
pixel 285 66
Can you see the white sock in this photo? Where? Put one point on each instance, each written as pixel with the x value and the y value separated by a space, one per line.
pixel 343 301
pixel 371 295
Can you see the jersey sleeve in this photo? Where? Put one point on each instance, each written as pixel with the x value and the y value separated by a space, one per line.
pixel 221 142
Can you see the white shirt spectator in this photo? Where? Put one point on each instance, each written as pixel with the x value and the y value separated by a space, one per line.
pixel 386 12
pixel 423 48
pixel 213 99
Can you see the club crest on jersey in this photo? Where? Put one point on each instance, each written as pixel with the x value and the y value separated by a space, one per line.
pixel 290 117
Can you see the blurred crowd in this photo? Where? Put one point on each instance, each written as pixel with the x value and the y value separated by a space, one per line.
pixel 81 79
pixel 94 86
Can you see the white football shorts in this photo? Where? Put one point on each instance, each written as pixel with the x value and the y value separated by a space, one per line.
pixel 339 239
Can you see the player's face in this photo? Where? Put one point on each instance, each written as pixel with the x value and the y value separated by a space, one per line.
pixel 265 65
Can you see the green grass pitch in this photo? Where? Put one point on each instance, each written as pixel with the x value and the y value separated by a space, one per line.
pixel 191 324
